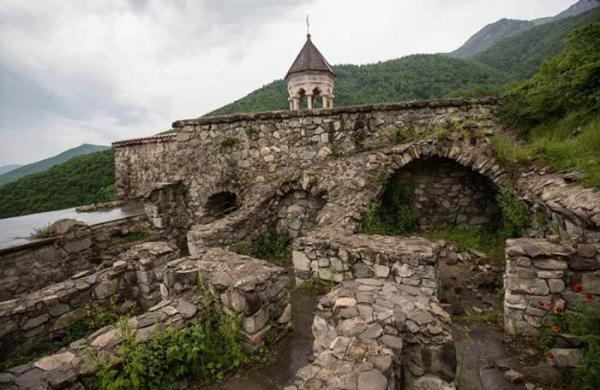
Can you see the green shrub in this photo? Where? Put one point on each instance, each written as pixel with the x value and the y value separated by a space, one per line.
pixel 569 82
pixel 204 351
pixel 380 179
pixel 337 152
pixel 515 217
pixel 228 142
pixel 183 189
pixel 273 246
pixel 392 214
pixel 585 324
pixel 43 232
pixel 397 135
pixel 250 130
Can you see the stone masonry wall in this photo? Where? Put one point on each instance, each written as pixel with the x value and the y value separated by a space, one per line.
pixel 409 261
pixel 143 164
pixel 233 153
pixel 32 267
pixel 448 194
pixel 374 335
pixel 544 277
pixel 254 290
pixel 48 311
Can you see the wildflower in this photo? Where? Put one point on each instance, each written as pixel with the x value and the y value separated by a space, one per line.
pixel 541 304
pixel 555 328
pixel 549 355
pixel 589 297
pixel 549 306
pixel 577 287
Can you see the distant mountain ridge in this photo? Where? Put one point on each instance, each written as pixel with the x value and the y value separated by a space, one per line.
pixel 491 34
pixel 521 55
pixel 504 28
pixel 427 76
pixel 7 168
pixel 45 164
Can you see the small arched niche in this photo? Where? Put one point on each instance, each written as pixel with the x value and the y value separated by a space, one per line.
pixel 218 205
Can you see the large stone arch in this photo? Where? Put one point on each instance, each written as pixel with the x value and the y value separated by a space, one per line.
pixel 478 158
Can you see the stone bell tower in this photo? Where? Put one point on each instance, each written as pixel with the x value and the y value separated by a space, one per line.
pixel 310 77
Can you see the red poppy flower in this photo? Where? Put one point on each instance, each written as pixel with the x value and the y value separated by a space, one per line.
pixel 549 355
pixel 559 310
pixel 549 306
pixel 555 329
pixel 589 297
pixel 577 287
pixel 541 304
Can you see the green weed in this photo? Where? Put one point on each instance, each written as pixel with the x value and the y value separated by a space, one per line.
pixel 273 246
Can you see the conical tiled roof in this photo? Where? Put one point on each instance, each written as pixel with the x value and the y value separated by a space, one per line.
pixel 310 58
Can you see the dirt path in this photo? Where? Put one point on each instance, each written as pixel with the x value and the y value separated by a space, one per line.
pixel 287 356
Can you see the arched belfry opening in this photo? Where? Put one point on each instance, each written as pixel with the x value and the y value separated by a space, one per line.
pixel 310 78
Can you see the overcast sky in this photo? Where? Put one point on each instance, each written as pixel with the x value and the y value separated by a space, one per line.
pixel 95 71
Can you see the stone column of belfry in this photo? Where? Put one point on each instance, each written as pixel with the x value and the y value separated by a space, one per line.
pixel 309 72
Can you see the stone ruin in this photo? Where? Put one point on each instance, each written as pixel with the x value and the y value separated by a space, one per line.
pixel 218 182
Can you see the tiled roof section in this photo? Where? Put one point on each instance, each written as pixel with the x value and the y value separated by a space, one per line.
pixel 145 140
pixel 310 58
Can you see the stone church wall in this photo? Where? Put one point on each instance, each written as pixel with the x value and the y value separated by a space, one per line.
pixel 211 155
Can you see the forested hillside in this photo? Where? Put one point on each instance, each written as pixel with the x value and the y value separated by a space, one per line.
pixel 422 76
pixel 42 165
pixel 522 54
pixel 82 180
pixel 556 113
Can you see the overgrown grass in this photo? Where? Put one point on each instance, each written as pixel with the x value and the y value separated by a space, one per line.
pixel 565 145
pixel 481 240
pixel 96 316
pixel 140 236
pixel 273 246
pixel 317 287
pixel 43 232
pixel 204 352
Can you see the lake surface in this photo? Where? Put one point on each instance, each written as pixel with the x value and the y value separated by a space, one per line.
pixel 16 231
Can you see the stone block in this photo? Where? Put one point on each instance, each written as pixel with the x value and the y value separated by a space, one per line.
pixel 255 322
pixel 527 286
pixel 301 262
pixel 78 246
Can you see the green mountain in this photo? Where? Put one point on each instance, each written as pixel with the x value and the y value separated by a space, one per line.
pixel 521 55
pixel 82 180
pixel 42 165
pixel 491 34
pixel 432 76
pixel 7 168
pixel 423 76
pixel 505 28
